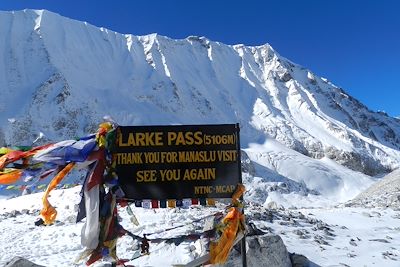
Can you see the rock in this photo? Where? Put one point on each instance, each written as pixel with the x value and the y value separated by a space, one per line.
pixel 302 233
pixel 14 213
pixel 21 262
pixel 299 260
pixel 375 214
pixel 71 218
pixel 25 211
pixel 266 250
pixel 76 207
pixel 104 264
pixel 247 164
pixel 285 77
pixel 321 226
pixel 366 214
pixel 253 230
pixel 389 255
pixel 39 222
pixel 257 216
pixel 320 240
pixel 379 240
pixel 352 242
pixel 272 205
pixel 328 232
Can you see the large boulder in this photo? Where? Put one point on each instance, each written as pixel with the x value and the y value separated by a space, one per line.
pixel 265 250
pixel 299 260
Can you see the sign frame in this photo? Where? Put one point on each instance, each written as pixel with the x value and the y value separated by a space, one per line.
pixel 178 161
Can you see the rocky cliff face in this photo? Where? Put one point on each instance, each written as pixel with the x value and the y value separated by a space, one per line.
pixel 60 77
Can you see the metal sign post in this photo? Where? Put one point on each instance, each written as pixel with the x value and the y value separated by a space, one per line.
pixel 243 243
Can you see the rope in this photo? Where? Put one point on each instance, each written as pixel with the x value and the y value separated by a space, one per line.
pixel 182 225
pixel 176 239
pixel 137 237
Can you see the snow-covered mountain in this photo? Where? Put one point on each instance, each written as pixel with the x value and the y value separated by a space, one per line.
pixel 300 132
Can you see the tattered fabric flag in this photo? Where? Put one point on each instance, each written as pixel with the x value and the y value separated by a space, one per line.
pixel 11 156
pixel 231 225
pixel 154 204
pixel 171 203
pixel 179 202
pixel 203 201
pixel 163 203
pixel 41 186
pixel 67 151
pixel 4 150
pixel 220 251
pixel 15 155
pixel 146 203
pixel 133 218
pixel 91 228
pixel 138 203
pixel 47 173
pixel 93 179
pixel 48 212
pixel 186 202
pixel 210 202
pixel 110 229
pixel 90 203
pixel 102 134
pixel 10 176
pixel 30 173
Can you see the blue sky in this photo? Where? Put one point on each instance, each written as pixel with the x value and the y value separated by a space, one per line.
pixel 353 43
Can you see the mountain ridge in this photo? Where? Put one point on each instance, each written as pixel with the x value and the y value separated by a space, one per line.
pixel 65 75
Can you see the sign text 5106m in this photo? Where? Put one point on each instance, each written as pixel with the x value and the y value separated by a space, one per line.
pixel 135 139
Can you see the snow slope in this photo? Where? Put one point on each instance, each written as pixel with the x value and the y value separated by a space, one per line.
pixel 59 77
pixel 328 237
pixel 385 193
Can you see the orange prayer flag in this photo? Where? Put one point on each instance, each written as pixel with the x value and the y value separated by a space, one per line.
pixel 48 212
pixel 10 177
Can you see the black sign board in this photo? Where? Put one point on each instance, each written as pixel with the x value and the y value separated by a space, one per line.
pixel 176 162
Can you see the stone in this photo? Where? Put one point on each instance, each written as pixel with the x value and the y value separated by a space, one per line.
pixel 299 260
pixel 272 205
pixel 21 262
pixel 266 250
pixel 252 230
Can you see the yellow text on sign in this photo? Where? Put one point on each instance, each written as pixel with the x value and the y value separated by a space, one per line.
pixel 176 157
pixel 142 139
pixel 219 189
pixel 170 175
